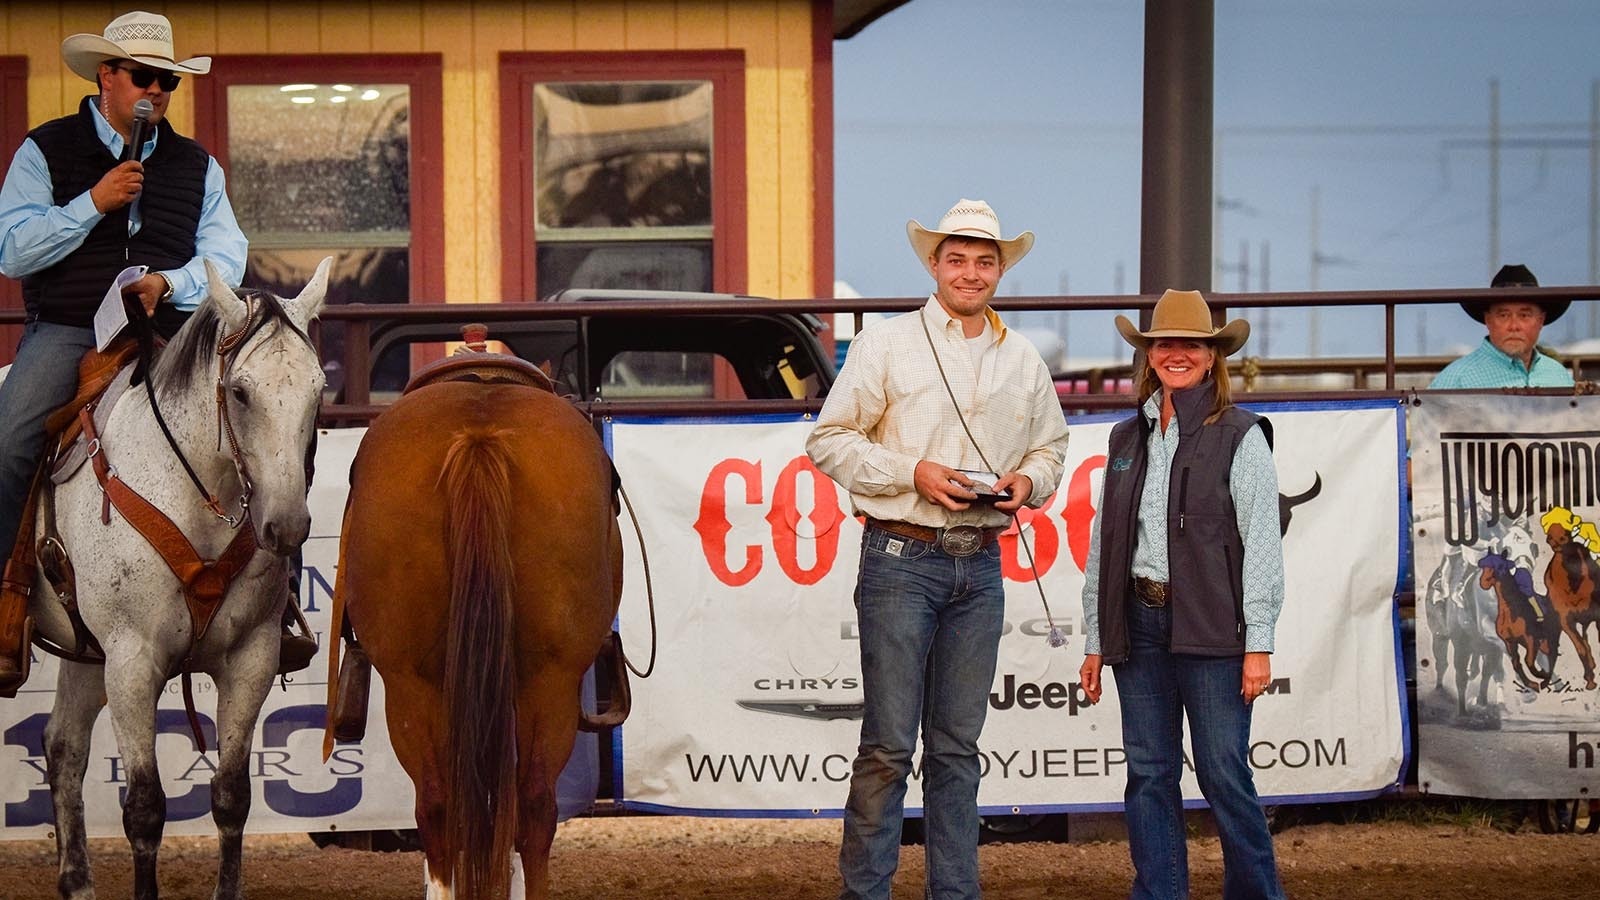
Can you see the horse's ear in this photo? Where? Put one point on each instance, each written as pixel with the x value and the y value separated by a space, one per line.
pixel 310 302
pixel 230 308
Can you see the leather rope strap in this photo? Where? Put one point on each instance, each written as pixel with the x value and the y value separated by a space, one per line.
pixel 204 583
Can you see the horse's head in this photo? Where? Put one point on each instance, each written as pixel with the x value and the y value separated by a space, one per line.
pixel 1493 565
pixel 269 387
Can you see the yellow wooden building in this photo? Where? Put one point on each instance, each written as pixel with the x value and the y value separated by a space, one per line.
pixel 491 150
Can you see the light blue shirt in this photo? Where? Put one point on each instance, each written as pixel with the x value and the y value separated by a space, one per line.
pixel 35 234
pixel 1253 485
pixel 1489 367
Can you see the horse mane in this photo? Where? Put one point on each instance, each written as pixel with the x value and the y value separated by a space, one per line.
pixel 191 351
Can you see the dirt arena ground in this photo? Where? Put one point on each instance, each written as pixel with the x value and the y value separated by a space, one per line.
pixel 719 859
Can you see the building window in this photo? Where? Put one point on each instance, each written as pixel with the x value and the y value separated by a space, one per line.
pixel 322 156
pixel 622 185
pixel 626 171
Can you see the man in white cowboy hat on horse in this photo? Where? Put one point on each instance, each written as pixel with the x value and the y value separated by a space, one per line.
pixel 75 210
pixel 943 423
pixel 1509 356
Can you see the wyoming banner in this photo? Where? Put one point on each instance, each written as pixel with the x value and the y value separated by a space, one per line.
pixel 1505 507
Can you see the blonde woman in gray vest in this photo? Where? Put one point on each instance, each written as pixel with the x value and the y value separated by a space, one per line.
pixel 1181 594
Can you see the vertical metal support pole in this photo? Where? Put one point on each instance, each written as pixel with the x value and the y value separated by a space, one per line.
pixel 1176 207
pixel 1594 194
pixel 1494 178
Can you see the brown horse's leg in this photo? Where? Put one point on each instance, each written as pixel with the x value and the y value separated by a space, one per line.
pixel 430 827
pixel 1579 643
pixel 411 707
pixel 550 739
pixel 1512 646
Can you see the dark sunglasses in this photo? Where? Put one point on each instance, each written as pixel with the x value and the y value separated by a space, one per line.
pixel 142 77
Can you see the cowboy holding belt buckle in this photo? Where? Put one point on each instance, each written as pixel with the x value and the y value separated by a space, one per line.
pixel 928 407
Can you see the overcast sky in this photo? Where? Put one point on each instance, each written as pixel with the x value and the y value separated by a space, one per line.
pixel 1378 109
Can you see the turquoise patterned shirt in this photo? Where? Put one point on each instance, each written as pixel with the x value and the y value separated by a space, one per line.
pixel 1254 487
pixel 1488 367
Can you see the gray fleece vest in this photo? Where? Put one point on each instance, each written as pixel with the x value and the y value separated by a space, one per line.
pixel 1205 552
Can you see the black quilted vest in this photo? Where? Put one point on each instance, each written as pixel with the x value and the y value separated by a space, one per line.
pixel 1205 554
pixel 68 292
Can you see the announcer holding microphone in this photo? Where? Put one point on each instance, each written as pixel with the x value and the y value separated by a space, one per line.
pixel 77 208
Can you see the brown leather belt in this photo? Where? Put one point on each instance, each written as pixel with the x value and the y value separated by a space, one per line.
pixel 1151 593
pixel 936 535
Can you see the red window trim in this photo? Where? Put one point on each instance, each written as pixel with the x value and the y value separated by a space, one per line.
pixel 422 72
pixel 822 150
pixel 520 71
pixel 13 128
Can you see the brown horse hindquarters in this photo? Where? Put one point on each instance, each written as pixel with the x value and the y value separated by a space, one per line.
pixel 526 502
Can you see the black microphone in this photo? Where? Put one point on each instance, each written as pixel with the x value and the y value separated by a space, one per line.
pixel 140 132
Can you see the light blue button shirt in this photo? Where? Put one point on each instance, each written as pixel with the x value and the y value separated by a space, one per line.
pixel 35 234
pixel 1489 367
pixel 1253 484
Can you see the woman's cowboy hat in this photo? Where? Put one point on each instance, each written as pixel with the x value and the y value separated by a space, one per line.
pixel 973 219
pixel 1516 275
pixel 1184 314
pixel 145 38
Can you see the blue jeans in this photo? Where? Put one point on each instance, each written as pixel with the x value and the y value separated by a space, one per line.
pixel 1156 687
pixel 930 633
pixel 42 379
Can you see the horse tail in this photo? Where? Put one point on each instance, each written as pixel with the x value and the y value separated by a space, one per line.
pixel 480 674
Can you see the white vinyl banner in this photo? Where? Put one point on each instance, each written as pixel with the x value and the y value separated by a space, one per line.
pixel 360 787
pixel 1504 522
pixel 755 704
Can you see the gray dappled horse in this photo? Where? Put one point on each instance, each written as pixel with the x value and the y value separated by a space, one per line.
pixel 241 366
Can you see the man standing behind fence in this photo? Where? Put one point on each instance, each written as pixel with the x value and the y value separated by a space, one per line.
pixel 1509 356
pixel 926 404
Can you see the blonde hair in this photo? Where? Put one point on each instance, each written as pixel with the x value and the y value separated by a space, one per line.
pixel 1147 382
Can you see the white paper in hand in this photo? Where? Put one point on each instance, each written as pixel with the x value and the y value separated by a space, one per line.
pixel 112 316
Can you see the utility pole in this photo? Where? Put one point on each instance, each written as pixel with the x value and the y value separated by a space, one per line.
pixel 1594 200
pixel 1216 208
pixel 1117 285
pixel 1313 323
pixel 1061 315
pixel 1494 177
pixel 1266 312
pixel 1244 267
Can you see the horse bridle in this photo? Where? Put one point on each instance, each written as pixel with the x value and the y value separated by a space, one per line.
pixel 227 353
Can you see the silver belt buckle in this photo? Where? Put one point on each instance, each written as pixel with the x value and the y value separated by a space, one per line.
pixel 961 541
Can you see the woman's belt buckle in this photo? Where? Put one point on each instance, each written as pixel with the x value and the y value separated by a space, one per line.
pixel 961 541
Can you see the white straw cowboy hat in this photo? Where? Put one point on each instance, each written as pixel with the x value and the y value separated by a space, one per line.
pixel 145 38
pixel 970 219
pixel 1184 314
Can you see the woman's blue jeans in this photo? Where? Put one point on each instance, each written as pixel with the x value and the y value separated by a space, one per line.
pixel 43 378
pixel 1156 687
pixel 930 632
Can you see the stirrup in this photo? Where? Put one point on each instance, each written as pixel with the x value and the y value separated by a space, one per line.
pixel 11 681
pixel 295 651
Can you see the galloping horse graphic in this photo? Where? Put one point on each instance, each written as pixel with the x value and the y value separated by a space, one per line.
pixel 1571 578
pixel 1524 621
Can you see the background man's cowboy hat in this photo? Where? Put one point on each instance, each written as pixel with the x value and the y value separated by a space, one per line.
pixel 1184 314
pixel 973 219
pixel 145 38
pixel 1516 275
